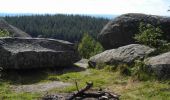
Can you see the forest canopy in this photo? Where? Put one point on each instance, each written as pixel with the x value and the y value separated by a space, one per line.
pixel 65 27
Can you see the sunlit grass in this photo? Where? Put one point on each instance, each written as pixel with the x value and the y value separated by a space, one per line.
pixel 7 94
pixel 126 86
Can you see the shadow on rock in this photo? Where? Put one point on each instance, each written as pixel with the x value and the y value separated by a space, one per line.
pixel 73 68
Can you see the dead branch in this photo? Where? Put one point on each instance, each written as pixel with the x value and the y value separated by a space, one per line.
pixel 80 92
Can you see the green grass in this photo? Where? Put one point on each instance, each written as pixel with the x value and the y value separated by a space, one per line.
pixel 7 94
pixel 150 90
pixel 100 79
pixel 126 86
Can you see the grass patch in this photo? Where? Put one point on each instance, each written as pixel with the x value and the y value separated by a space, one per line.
pixel 150 90
pixel 126 86
pixel 7 94
pixel 106 78
pixel 100 78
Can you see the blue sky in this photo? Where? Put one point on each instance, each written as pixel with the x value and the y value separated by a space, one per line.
pixel 156 7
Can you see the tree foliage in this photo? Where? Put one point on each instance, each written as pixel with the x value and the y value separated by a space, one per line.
pixel 89 47
pixel 150 35
pixel 4 33
pixel 65 27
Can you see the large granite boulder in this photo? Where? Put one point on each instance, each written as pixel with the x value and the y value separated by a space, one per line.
pixel 14 32
pixel 122 55
pixel 120 31
pixel 160 65
pixel 24 53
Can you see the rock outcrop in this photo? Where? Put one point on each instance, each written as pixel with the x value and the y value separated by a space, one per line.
pixel 120 31
pixel 83 63
pixel 15 32
pixel 160 65
pixel 122 55
pixel 24 53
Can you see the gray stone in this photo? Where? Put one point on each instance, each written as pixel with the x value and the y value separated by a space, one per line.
pixel 82 63
pixel 126 54
pixel 120 31
pixel 160 65
pixel 24 53
pixel 14 32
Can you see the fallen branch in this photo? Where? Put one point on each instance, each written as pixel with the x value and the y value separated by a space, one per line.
pixel 101 95
pixel 80 94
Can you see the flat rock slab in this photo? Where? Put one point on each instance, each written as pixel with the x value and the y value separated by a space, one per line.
pixel 41 87
pixel 24 53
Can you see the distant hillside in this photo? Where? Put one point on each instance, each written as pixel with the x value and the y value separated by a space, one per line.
pixel 104 16
pixel 65 27
pixel 12 30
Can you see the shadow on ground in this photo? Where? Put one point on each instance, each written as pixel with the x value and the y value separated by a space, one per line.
pixel 31 76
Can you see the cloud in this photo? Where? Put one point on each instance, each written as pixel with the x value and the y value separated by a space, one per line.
pixel 158 7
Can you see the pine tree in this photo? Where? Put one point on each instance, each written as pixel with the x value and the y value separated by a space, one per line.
pixel 89 47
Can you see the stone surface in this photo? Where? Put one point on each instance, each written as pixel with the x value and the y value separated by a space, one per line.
pixel 160 65
pixel 15 32
pixel 120 31
pixel 126 54
pixel 23 53
pixel 82 63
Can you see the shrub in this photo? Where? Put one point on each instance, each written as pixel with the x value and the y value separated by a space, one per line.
pixel 124 69
pixel 164 48
pixel 100 65
pixel 89 47
pixel 110 68
pixel 4 33
pixel 106 67
pixel 150 35
pixel 141 72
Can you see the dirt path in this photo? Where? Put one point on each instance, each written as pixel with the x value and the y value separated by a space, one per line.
pixel 40 87
pixel 43 87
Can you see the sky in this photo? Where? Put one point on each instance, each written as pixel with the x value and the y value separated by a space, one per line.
pixel 111 7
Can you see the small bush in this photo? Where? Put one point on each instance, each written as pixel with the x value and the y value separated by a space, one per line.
pixel 141 72
pixel 110 68
pixel 101 65
pixel 164 48
pixel 89 47
pixel 4 33
pixel 150 35
pixel 124 69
